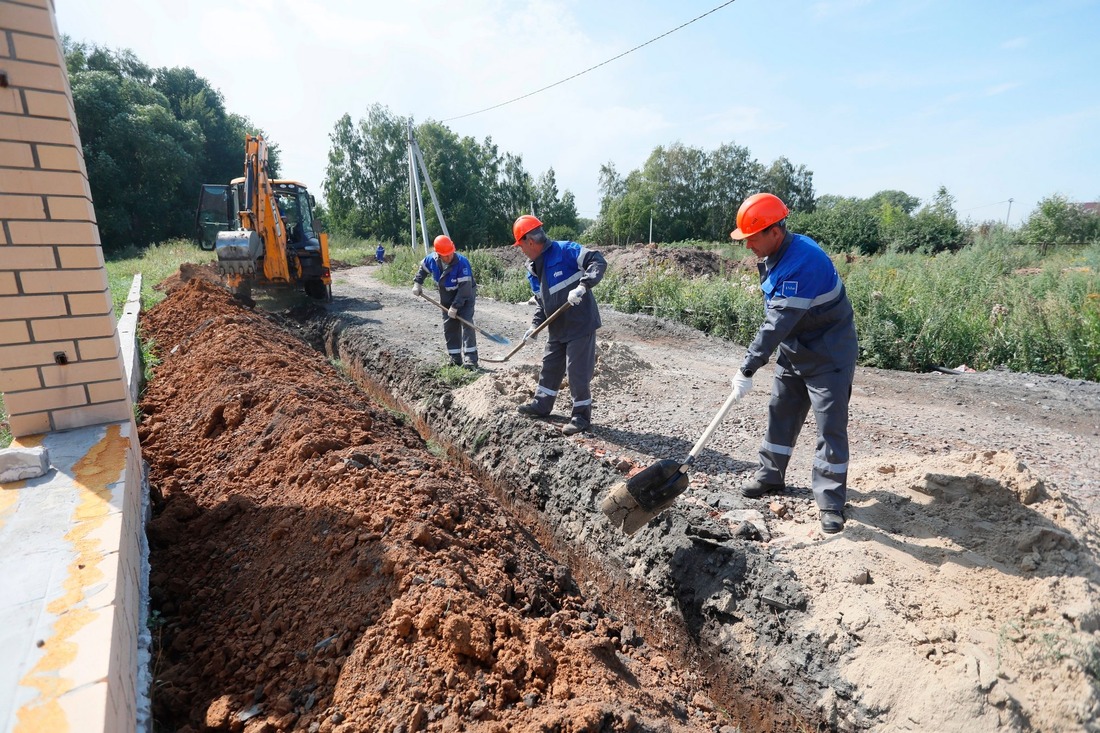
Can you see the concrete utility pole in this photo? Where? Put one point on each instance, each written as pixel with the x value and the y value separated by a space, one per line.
pixel 1009 212
pixel 412 192
pixel 416 195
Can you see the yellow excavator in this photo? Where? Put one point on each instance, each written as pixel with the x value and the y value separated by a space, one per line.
pixel 263 230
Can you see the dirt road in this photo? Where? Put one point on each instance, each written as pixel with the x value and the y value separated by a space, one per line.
pixel 962 595
pixel 335 569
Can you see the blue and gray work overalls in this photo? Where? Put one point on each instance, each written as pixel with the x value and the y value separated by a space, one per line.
pixel 457 288
pixel 809 319
pixel 571 341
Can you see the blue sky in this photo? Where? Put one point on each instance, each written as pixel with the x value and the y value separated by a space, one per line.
pixel 994 100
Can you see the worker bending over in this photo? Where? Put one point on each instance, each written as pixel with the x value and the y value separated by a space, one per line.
pixel 809 319
pixel 562 273
pixel 457 292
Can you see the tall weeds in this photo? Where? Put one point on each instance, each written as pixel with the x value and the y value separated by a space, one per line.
pixel 988 305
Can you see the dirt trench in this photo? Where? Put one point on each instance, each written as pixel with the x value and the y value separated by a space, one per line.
pixel 317 565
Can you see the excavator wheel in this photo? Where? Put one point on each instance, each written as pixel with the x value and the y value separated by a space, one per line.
pixel 316 289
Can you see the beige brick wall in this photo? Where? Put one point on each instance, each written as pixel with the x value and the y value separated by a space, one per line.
pixel 60 362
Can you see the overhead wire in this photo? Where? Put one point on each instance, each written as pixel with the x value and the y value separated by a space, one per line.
pixel 983 206
pixel 591 68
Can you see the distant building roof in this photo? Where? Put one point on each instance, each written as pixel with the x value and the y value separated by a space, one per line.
pixel 1090 207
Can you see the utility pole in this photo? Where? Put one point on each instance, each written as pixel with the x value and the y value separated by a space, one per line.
pixel 651 228
pixel 1009 212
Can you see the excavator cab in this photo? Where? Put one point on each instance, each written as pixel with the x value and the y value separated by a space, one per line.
pixel 218 212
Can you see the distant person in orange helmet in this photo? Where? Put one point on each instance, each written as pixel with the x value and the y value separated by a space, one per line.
pixel 457 292
pixel 809 319
pixel 561 273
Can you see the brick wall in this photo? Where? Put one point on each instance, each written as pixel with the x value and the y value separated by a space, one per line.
pixel 60 362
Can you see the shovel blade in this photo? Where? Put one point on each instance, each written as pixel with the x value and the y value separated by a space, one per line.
pixel 631 504
pixel 496 339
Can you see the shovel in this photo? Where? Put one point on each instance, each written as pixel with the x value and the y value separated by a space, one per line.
pixel 632 503
pixel 491 336
pixel 531 337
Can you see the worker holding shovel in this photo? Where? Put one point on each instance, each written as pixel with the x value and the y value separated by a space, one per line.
pixel 457 292
pixel 562 275
pixel 809 319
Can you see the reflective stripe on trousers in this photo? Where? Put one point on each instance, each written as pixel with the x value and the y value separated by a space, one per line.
pixel 792 398
pixel 575 359
pixel 461 339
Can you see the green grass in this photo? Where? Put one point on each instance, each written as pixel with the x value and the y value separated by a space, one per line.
pixel 353 251
pixel 455 376
pixel 5 429
pixel 155 263
pixel 987 305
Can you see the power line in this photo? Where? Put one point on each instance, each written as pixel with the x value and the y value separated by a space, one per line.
pixel 972 208
pixel 591 68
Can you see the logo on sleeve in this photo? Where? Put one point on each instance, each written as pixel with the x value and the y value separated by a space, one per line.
pixel 790 288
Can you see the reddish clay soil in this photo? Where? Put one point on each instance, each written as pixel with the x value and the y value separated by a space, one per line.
pixel 316 566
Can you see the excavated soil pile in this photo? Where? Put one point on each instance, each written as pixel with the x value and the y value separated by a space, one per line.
pixel 315 566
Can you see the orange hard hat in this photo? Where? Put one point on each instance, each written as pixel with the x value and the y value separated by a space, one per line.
pixel 757 213
pixel 444 246
pixel 523 225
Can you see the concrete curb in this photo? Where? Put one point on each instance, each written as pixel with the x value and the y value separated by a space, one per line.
pixel 73 563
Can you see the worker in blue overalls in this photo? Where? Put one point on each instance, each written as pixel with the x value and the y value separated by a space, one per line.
pixel 562 273
pixel 457 292
pixel 809 320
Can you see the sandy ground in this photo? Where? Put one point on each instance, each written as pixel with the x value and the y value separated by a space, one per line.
pixel 961 596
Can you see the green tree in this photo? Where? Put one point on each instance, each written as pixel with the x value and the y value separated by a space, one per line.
pixel 691 194
pixel 554 209
pixel 480 189
pixel 840 224
pixel 732 176
pixel 150 137
pixel 512 194
pixel 143 163
pixel 462 172
pixel 898 200
pixel 674 179
pixel 1057 221
pixel 935 228
pixel 795 185
pixel 366 180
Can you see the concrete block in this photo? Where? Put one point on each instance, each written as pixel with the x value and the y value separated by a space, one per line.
pixel 17 464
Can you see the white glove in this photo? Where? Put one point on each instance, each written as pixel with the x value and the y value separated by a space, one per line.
pixel 452 312
pixel 530 334
pixel 741 385
pixel 576 294
pixel 417 288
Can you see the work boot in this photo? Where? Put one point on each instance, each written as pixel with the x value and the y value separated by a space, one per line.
pixel 831 522
pixel 576 425
pixel 532 409
pixel 756 487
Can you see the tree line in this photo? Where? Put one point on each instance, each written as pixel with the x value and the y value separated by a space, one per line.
pixel 152 136
pixel 480 188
